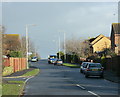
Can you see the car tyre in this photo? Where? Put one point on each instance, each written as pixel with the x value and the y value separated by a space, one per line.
pixel 102 76
pixel 86 75
pixel 81 71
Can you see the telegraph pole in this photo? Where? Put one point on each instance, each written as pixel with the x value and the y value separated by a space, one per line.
pixel 59 46
pixel 27 46
pixel 64 46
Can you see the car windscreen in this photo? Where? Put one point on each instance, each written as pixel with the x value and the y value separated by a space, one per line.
pixel 53 56
pixel 34 57
pixel 95 65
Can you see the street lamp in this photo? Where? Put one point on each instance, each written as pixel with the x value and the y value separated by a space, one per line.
pixel 59 47
pixel 27 43
pixel 64 46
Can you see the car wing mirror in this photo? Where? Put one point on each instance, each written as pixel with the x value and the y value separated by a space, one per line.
pixel 102 67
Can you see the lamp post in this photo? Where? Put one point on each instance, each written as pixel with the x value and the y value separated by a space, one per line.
pixel 59 46
pixel 27 46
pixel 64 46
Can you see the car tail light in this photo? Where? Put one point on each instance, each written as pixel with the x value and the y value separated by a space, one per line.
pixel 88 70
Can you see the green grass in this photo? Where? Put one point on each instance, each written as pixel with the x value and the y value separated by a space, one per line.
pixel 71 65
pixel 15 88
pixel 32 73
pixel 12 88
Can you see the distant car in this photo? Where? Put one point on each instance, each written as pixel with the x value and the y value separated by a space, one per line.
pixel 34 59
pixel 52 60
pixel 94 69
pixel 83 66
pixel 59 62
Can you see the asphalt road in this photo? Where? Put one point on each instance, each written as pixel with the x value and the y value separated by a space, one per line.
pixel 61 80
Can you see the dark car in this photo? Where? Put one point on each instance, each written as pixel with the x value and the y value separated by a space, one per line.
pixel 83 66
pixel 94 69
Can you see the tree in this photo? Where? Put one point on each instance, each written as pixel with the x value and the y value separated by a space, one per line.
pixel 78 47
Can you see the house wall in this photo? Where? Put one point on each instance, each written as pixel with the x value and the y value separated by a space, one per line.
pixel 102 44
pixel 117 43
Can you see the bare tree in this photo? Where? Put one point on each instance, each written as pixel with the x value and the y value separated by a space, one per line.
pixel 78 47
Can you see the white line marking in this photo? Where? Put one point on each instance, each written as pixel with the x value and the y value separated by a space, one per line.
pixel 94 93
pixel 28 79
pixel 80 86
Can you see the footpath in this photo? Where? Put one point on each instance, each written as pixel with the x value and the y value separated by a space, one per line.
pixel 111 76
pixel 19 73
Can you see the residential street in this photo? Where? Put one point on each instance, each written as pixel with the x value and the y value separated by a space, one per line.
pixel 61 80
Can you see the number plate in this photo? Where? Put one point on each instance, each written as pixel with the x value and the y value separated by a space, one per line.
pixel 94 69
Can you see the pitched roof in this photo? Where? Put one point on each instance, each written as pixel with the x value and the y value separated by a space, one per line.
pixel 96 39
pixel 116 28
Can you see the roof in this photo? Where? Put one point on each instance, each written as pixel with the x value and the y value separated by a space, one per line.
pixel 96 39
pixel 116 28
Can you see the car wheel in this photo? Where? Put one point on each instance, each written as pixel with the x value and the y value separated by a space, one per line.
pixel 86 75
pixel 81 71
pixel 102 76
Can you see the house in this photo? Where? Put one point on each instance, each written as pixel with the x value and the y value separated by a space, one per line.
pixel 100 43
pixel 115 38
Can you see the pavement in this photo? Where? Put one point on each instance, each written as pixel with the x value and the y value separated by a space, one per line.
pixel 19 73
pixel 111 76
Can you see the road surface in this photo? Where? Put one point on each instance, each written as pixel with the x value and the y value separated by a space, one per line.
pixel 61 80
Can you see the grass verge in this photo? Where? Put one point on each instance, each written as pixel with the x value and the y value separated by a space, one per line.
pixel 32 73
pixel 71 65
pixel 12 88
pixel 15 88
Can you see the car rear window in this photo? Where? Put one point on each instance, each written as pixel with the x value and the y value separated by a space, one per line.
pixel 95 65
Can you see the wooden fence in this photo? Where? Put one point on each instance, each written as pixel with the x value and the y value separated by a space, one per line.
pixel 113 64
pixel 18 64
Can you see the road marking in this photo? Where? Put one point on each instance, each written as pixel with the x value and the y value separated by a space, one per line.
pixel 94 93
pixel 80 86
pixel 28 78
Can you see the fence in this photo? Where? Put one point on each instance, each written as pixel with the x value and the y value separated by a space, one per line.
pixel 113 64
pixel 18 64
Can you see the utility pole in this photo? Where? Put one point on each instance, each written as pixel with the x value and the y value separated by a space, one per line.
pixel 27 46
pixel 59 46
pixel 64 46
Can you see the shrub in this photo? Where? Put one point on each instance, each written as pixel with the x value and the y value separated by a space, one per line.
pixel 16 54
pixel 7 70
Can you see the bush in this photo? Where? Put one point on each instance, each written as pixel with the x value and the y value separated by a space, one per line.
pixel 16 54
pixel 103 61
pixel 7 70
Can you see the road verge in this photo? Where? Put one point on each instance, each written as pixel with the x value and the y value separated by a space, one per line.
pixel 16 88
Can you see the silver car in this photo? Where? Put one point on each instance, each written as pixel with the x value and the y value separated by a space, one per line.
pixel 58 62
pixel 94 69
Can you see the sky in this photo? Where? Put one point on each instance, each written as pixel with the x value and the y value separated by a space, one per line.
pixel 80 20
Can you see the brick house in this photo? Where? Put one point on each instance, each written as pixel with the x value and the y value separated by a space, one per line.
pixel 100 43
pixel 115 38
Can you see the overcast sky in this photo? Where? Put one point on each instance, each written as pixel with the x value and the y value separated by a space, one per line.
pixel 81 20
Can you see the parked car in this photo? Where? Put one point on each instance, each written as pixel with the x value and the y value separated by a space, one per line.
pixel 59 62
pixel 94 69
pixel 34 59
pixel 83 66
